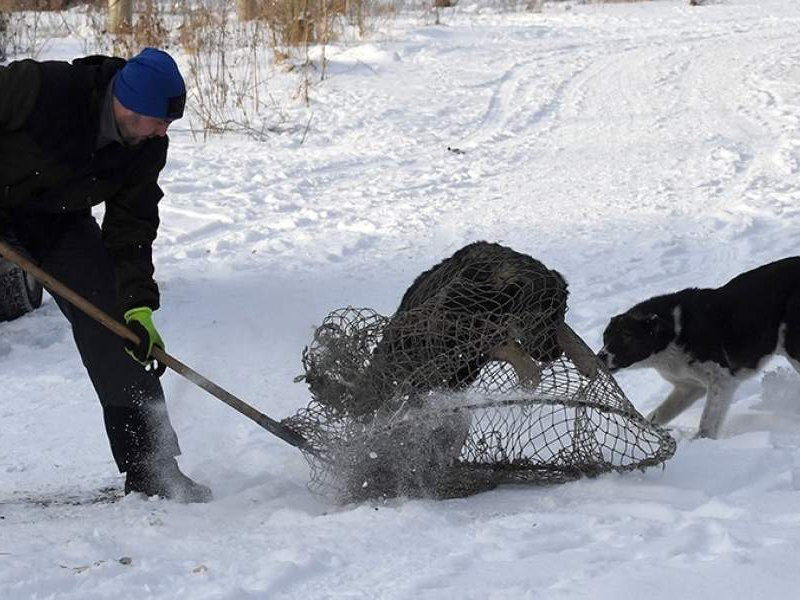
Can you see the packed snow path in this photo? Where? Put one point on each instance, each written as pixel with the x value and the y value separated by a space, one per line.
pixel 636 148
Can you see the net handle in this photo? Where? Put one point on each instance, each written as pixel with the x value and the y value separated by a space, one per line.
pixel 56 287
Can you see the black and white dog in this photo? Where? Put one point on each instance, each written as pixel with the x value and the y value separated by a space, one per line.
pixel 707 341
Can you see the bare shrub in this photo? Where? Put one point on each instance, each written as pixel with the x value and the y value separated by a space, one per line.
pixel 228 67
pixel 3 33
pixel 33 5
pixel 149 27
pixel 301 22
pixel 27 27
pixel 228 59
pixel 294 22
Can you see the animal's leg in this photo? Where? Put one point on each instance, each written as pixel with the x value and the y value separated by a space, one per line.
pixel 680 398
pixel 717 404
pixel 528 372
pixel 577 351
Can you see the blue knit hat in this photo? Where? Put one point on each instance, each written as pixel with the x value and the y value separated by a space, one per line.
pixel 151 84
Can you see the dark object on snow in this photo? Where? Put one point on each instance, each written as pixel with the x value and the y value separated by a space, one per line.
pixel 513 303
pixel 725 335
pixel 68 497
pixel 19 292
pixel 164 479
pixel 476 380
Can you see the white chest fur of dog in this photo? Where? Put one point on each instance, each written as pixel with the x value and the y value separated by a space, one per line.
pixel 706 342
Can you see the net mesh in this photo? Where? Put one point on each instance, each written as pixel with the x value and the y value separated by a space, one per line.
pixel 475 381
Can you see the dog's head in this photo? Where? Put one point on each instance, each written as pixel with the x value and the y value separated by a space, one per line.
pixel 633 337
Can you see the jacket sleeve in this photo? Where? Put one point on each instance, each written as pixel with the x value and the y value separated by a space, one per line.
pixel 130 226
pixel 19 90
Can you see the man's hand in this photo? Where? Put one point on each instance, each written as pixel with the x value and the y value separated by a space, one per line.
pixel 140 322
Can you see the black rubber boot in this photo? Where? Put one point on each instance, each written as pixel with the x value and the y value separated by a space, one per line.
pixel 163 478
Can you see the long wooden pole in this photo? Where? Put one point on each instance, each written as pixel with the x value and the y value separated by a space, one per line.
pixel 274 427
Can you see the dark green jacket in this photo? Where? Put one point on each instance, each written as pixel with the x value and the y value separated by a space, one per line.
pixel 49 123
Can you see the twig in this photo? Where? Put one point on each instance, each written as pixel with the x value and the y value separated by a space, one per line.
pixel 308 124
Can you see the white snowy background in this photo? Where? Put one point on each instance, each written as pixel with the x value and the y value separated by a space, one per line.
pixel 637 148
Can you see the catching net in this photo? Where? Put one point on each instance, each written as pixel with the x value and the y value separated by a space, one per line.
pixel 475 381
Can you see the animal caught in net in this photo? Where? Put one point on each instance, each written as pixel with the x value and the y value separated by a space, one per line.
pixel 476 380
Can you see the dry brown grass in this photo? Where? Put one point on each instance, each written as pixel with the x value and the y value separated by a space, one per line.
pixel 31 5
pixel 228 66
pixel 229 60
pixel 149 29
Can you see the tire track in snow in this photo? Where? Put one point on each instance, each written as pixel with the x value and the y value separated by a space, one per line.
pixel 509 110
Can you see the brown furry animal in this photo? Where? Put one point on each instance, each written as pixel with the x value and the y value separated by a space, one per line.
pixel 485 302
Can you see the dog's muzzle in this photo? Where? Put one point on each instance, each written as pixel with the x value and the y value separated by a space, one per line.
pixel 607 359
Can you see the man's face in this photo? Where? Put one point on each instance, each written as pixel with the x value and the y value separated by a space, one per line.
pixel 136 128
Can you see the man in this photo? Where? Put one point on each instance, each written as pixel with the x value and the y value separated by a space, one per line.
pixel 73 136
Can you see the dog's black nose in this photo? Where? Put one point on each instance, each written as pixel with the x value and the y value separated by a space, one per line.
pixel 606 359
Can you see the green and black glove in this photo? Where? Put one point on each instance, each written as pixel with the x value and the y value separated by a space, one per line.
pixel 140 322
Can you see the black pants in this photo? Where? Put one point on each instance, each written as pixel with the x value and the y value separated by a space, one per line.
pixel 70 249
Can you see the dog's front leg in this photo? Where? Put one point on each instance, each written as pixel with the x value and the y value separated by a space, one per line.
pixel 682 396
pixel 528 372
pixel 718 402
pixel 577 351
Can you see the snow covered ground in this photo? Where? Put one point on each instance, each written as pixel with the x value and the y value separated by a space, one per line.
pixel 637 148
